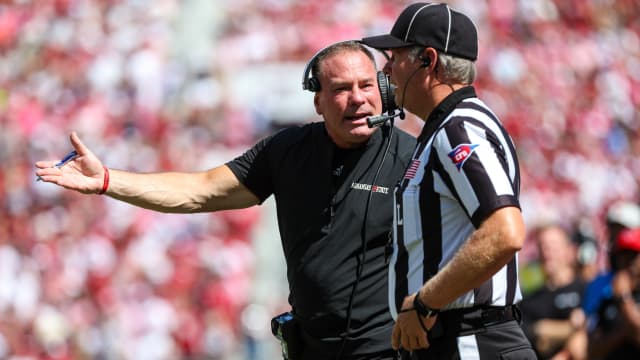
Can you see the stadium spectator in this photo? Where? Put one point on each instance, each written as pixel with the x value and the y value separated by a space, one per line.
pixel 616 332
pixel 552 315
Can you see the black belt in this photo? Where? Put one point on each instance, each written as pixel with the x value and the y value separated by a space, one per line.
pixel 467 321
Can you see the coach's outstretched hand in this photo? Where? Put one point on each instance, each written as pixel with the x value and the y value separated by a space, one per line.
pixel 84 173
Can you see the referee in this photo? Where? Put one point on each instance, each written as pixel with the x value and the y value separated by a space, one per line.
pixel 458 226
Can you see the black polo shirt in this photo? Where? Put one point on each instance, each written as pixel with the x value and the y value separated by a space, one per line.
pixel 321 196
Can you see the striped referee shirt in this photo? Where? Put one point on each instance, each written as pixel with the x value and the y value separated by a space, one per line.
pixel 464 168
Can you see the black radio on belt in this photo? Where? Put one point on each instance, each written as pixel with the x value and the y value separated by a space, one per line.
pixel 285 328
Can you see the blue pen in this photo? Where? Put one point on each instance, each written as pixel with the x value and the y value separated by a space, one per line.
pixel 70 156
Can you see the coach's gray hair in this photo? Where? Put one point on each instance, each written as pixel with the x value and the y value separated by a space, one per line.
pixel 451 69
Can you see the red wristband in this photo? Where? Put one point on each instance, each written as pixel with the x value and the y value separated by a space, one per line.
pixel 105 182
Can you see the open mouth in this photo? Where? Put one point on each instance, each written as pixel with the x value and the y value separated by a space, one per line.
pixel 357 117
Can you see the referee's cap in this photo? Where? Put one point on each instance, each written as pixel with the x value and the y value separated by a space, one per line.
pixel 431 25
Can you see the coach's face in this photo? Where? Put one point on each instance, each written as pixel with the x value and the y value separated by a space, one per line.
pixel 349 94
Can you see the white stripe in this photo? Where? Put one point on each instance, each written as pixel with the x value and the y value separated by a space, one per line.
pixel 468 347
pixel 488 122
pixel 413 18
pixel 489 159
pixel 446 46
pixel 413 237
pixel 481 103
pixel 499 279
pixel 415 278
pixel 518 296
pixel 460 181
pixel 492 125
pixel 391 288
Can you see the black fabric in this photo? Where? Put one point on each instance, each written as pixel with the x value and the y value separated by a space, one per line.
pixel 462 322
pixel 431 25
pixel 355 349
pixel 440 113
pixel 498 340
pixel 555 304
pixel 320 227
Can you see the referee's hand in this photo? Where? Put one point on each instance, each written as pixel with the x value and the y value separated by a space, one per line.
pixel 408 333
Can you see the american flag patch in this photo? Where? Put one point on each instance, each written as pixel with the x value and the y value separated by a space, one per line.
pixel 413 169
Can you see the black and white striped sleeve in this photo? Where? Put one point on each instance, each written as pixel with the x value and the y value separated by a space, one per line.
pixel 477 163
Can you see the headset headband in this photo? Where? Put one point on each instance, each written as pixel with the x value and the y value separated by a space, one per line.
pixel 307 84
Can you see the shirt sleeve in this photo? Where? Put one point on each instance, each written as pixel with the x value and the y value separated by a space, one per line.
pixel 478 167
pixel 253 169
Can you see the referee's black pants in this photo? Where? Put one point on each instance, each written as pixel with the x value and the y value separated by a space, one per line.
pixel 479 333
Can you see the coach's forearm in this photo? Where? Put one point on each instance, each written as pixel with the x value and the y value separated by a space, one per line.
pixel 177 192
pixel 170 192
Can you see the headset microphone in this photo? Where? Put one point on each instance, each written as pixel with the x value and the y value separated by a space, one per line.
pixel 378 120
pixel 375 121
pixel 387 91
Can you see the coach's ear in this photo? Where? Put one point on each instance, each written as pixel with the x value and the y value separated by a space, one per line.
pixel 316 103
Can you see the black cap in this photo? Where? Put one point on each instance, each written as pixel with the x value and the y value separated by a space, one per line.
pixel 431 25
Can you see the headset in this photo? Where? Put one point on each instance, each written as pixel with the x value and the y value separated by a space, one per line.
pixel 311 83
pixel 426 61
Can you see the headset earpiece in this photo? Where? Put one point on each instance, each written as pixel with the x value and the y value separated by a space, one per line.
pixel 386 93
pixel 426 61
pixel 312 85
pixel 309 82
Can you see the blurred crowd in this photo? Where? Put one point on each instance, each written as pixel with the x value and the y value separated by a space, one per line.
pixel 159 85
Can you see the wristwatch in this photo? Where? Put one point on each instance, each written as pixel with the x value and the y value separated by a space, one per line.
pixel 422 309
